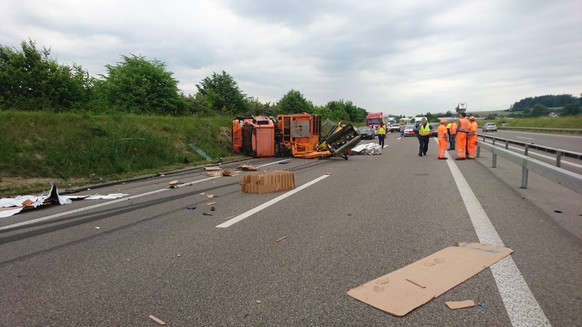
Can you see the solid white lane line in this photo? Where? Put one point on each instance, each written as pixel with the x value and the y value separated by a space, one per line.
pixel 269 203
pixel 519 301
pixel 274 163
pixel 66 213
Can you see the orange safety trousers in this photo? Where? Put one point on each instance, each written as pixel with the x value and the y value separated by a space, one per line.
pixel 442 146
pixel 472 145
pixel 442 137
pixel 461 145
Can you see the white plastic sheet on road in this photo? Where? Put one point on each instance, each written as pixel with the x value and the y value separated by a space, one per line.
pixel 11 206
pixel 367 149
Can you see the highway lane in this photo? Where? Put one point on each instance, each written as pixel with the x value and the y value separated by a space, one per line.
pixel 558 141
pixel 371 216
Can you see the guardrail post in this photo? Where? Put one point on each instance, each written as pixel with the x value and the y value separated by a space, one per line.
pixel 559 158
pixel 524 173
pixel 506 144
pixel 478 151
pixel 493 141
pixel 526 149
pixel 494 161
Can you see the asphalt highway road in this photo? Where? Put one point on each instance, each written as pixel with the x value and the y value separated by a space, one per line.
pixel 291 262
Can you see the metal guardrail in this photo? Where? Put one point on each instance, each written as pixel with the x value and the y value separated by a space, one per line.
pixel 559 175
pixel 527 146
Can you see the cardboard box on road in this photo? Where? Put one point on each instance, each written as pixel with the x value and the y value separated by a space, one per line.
pixel 267 182
pixel 407 288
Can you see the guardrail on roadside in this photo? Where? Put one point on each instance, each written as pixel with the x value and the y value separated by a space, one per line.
pixel 563 177
pixel 527 146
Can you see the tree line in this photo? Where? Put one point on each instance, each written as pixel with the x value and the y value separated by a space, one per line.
pixel 30 80
pixel 566 104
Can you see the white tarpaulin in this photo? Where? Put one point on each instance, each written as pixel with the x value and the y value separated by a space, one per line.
pixel 12 206
pixel 368 148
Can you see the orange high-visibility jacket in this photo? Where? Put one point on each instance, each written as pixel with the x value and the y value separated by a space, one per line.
pixel 454 128
pixel 464 125
pixel 474 128
pixel 442 131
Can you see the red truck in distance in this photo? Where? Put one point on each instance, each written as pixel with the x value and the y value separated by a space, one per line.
pixel 374 119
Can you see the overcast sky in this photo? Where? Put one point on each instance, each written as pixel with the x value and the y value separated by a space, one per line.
pixel 399 57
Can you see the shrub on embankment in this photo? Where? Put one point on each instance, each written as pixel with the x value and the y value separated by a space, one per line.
pixel 101 147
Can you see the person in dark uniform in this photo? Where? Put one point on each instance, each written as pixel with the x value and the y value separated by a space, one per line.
pixel 422 131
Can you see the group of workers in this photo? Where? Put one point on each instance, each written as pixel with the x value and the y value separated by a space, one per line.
pixel 462 137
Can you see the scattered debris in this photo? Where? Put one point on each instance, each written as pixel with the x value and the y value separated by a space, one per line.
pixel 207 214
pixel 191 207
pixel 212 208
pixel 212 168
pixel 178 254
pixel 211 196
pixel 259 301
pixel 222 172
pixel 156 319
pixel 200 152
pixel 282 238
pixel 460 304
pixel 210 203
pixel 558 211
pixel 174 183
pixel 106 197
pixel 284 162
pixel 229 173
pixel 481 304
pixel 367 149
pixel 398 292
pixel 52 198
pixel 247 167
pixel 97 227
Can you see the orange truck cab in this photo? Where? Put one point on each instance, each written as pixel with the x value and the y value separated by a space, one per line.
pixel 254 136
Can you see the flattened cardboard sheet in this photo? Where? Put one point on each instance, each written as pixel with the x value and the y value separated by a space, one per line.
pixel 407 288
pixel 267 182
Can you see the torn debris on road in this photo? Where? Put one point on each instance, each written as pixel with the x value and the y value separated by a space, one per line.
pixel 406 289
pixel 11 206
pixel 157 320
pixel 222 172
pixel 247 167
pixel 460 304
pixel 367 149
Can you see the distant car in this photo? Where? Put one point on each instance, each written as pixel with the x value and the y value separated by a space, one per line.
pixel 490 127
pixel 366 132
pixel 409 130
pixel 394 128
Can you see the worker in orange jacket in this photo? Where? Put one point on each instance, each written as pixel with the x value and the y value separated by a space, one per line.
pixel 452 127
pixel 442 138
pixel 472 139
pixel 464 128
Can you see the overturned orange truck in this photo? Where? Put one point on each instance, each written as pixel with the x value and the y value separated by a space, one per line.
pixel 297 135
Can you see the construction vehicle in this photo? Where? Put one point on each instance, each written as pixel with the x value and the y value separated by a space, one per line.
pixel 297 135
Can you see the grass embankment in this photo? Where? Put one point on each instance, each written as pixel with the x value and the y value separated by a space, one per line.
pixel 546 122
pixel 80 149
